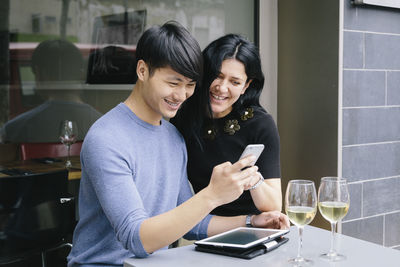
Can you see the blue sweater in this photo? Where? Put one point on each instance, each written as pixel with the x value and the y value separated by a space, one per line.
pixel 131 170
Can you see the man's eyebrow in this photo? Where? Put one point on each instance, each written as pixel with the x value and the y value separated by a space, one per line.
pixel 173 77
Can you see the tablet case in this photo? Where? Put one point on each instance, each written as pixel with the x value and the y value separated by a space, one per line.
pixel 248 253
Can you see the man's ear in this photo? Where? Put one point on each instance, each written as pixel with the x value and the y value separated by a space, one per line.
pixel 142 70
pixel 246 86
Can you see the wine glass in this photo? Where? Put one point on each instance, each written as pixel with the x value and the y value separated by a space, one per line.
pixel 333 203
pixel 301 207
pixel 68 136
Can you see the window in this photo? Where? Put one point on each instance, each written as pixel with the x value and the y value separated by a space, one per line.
pixel 36 23
pixel 95 24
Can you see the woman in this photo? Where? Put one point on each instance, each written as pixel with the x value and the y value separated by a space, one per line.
pixel 223 116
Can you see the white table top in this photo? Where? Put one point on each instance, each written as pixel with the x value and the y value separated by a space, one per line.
pixel 315 241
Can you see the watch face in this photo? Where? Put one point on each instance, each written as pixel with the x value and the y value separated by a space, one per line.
pixel 248 221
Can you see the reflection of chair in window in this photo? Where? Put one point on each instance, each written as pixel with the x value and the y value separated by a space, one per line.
pixel 111 65
pixel 42 150
pixel 8 152
pixel 36 215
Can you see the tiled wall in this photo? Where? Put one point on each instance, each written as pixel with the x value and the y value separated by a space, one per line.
pixel 371 122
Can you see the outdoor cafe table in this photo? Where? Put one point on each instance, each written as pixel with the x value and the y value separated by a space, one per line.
pixel 35 166
pixel 316 241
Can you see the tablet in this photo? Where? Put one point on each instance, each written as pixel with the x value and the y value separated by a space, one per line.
pixel 242 237
pixel 247 253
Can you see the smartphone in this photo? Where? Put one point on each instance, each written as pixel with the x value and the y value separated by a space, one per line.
pixel 253 149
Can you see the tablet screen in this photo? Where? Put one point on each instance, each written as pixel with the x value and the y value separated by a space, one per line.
pixel 242 237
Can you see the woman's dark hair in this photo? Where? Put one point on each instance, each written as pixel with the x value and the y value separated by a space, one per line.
pixel 111 65
pixel 233 46
pixel 171 45
pixel 190 118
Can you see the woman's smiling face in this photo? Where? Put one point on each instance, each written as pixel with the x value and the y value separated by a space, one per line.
pixel 226 89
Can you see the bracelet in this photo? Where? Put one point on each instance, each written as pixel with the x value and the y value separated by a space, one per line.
pixel 258 183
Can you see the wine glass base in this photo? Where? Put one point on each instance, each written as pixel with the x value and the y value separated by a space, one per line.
pixel 300 261
pixel 68 164
pixel 332 256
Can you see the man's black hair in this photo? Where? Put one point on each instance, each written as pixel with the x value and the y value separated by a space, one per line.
pixel 171 45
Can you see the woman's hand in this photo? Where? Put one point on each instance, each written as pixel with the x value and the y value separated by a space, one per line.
pixel 252 181
pixel 271 219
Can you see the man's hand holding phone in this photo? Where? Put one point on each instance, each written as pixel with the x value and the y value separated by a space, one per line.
pixel 228 181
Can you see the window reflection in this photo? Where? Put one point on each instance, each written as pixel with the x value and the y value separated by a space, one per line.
pixel 57 67
pixel 112 65
pixel 105 32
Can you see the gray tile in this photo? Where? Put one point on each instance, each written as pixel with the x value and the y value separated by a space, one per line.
pixel 370 229
pixel 355 191
pixel 371 125
pixel 381 196
pixel 381 51
pixel 353 47
pixel 392 232
pixel 393 87
pixel 371 161
pixel 363 88
pixel 371 18
pixel 350 16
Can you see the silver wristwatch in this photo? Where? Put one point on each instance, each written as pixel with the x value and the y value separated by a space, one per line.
pixel 248 220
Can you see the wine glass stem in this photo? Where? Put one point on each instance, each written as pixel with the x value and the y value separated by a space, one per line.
pixel 333 227
pixel 301 228
pixel 69 149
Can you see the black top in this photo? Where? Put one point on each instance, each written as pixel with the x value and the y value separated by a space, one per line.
pixel 225 140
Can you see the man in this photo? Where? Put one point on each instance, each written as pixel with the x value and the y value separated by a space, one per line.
pixel 135 197
pixel 57 66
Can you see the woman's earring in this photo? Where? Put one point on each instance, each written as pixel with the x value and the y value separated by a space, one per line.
pixel 241 101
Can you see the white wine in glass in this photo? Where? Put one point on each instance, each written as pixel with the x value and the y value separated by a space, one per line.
pixel 301 207
pixel 68 136
pixel 333 203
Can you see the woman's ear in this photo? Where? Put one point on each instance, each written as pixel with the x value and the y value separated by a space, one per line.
pixel 246 86
pixel 142 70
